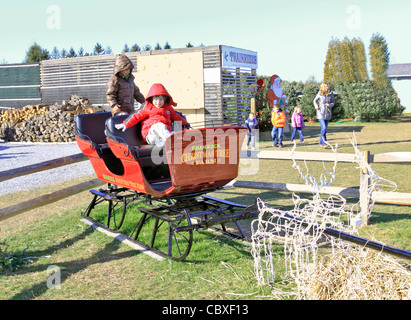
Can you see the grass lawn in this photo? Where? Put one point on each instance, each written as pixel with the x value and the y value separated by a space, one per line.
pixel 95 266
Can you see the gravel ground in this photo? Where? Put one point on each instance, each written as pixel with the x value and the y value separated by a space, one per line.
pixel 15 155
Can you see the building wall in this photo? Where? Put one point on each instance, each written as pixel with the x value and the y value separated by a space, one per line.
pixel 182 75
pixel 19 84
pixel 403 88
pixel 209 90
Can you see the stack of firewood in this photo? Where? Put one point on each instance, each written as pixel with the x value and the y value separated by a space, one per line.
pixel 37 123
pixel 78 105
pixel 19 115
pixel 54 126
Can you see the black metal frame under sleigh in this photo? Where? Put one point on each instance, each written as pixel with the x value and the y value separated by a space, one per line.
pixel 165 225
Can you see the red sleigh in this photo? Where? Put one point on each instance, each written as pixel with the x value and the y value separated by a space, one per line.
pixel 170 182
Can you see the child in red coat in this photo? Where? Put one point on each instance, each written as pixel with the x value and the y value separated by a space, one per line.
pixel 155 117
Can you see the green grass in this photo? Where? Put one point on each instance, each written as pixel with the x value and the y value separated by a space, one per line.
pixel 95 266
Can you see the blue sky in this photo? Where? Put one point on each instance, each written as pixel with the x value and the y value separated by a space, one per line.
pixel 290 37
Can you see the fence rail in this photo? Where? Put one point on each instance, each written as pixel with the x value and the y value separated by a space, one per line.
pixel 42 200
pixel 395 198
pixel 389 198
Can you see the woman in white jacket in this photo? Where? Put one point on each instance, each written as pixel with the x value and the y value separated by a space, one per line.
pixel 325 98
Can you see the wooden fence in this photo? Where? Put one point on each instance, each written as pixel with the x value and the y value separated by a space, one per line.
pixel 395 198
pixel 42 200
pixel 389 198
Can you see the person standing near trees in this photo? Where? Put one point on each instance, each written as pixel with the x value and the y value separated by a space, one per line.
pixel 325 98
pixel 278 120
pixel 297 121
pixel 121 89
pixel 252 125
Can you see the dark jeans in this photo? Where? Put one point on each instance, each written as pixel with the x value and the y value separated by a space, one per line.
pixel 300 134
pixel 274 135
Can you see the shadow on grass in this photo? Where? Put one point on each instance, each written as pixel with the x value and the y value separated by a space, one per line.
pixel 69 268
pixel 382 217
pixel 383 142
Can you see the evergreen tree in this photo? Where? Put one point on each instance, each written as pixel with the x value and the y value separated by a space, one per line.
pixel 157 47
pixel 36 54
pixel 135 48
pixel 126 49
pixel 306 102
pixel 348 73
pixel 380 59
pixel 98 49
pixel 189 45
pixel 360 60
pixel 80 52
pixel 55 54
pixel 147 47
pixel 71 53
pixel 332 65
pixel 63 53
pixel 289 89
pixel 167 46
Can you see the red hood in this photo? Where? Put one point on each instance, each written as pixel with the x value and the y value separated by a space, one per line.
pixel 158 89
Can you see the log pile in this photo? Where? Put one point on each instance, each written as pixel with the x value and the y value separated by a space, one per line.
pixel 19 115
pixel 54 126
pixel 37 123
pixel 78 105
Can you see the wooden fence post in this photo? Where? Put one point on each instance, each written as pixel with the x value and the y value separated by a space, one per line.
pixel 364 194
pixel 252 108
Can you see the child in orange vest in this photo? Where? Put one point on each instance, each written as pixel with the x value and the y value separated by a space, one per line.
pixel 278 120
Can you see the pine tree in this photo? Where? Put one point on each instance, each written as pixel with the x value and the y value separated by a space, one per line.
pixel 167 46
pixel 80 52
pixel 135 48
pixel 348 73
pixel 332 65
pixel 309 92
pixel 71 53
pixel 379 58
pixel 98 49
pixel 36 54
pixel 157 47
pixel 63 53
pixel 126 49
pixel 55 54
pixel 360 60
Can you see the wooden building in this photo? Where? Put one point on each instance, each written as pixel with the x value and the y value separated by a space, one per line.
pixel 212 85
pixel 400 76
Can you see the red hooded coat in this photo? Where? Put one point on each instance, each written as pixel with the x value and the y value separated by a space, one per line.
pixel 151 114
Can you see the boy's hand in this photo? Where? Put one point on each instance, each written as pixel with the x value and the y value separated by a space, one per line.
pixel 116 109
pixel 120 126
